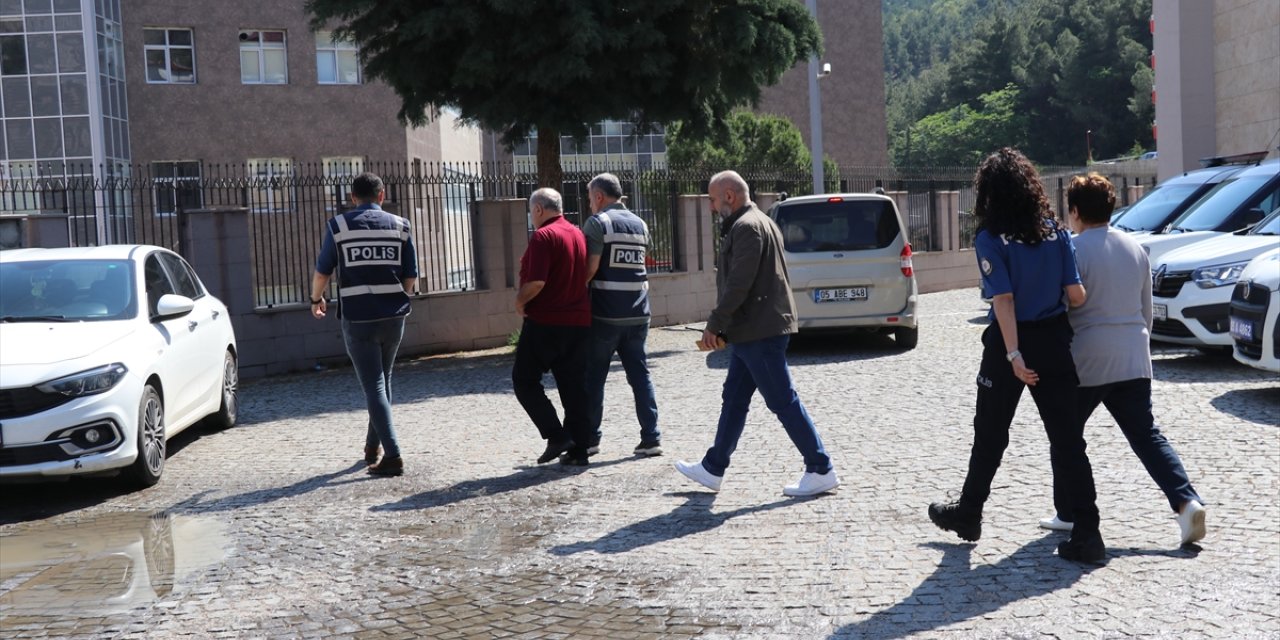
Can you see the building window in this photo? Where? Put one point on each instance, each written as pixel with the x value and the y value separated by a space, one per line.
pixel 262 58
pixel 273 186
pixel 13 48
pixel 176 185
pixel 337 61
pixel 171 56
pixel 338 173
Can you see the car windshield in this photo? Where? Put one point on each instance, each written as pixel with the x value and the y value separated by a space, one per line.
pixel 846 225
pixel 1152 211
pixel 67 290
pixel 1219 203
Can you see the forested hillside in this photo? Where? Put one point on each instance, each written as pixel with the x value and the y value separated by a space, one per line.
pixel 965 76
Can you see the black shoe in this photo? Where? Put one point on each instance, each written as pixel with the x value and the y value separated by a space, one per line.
pixel 965 521
pixel 648 448
pixel 1084 548
pixel 554 449
pixel 388 467
pixel 571 460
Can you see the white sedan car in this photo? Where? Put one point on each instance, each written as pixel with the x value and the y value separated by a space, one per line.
pixel 105 353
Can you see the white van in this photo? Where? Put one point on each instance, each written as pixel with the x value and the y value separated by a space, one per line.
pixel 850 263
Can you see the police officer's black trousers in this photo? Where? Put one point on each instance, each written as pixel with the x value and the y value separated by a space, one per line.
pixel 1046 349
pixel 562 350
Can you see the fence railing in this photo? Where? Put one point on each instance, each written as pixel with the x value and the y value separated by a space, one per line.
pixel 289 204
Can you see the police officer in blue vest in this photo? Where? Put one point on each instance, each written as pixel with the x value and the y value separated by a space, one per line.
pixel 617 245
pixel 372 251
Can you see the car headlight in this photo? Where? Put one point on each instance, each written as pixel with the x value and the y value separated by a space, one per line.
pixel 1218 275
pixel 86 383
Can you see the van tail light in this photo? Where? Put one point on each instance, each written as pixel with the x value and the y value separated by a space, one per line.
pixel 905 260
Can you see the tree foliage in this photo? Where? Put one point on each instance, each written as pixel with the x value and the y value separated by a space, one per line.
pixel 1078 66
pixel 750 140
pixel 555 66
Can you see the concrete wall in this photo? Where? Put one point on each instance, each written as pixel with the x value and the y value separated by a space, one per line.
pixel 1184 86
pixel 220 120
pixel 1246 74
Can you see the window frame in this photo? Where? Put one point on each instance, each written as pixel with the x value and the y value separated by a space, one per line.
pixel 281 169
pixel 260 47
pixel 174 180
pixel 339 189
pixel 178 271
pixel 168 48
pixel 336 48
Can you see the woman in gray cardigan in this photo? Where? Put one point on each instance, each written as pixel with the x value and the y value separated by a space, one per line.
pixel 1112 347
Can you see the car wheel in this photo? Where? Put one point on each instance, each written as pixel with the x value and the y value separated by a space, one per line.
pixel 906 337
pixel 149 464
pixel 225 418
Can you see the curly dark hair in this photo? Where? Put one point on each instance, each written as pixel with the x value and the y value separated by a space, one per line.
pixel 1010 198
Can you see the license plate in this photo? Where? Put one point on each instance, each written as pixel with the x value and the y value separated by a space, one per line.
pixel 847 294
pixel 1160 311
pixel 1242 329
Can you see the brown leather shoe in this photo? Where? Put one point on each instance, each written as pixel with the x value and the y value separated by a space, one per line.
pixel 387 467
pixel 371 454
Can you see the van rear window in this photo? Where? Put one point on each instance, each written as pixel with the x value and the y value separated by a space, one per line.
pixel 837 226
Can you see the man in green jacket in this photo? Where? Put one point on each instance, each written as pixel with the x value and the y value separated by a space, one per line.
pixel 755 316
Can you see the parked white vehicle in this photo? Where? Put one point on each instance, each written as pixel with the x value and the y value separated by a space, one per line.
pixel 1237 202
pixel 1255 313
pixel 1191 287
pixel 850 264
pixel 105 353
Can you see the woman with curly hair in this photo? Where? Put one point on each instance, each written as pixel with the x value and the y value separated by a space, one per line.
pixel 1027 263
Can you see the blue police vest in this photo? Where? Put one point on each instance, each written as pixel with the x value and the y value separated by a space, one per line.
pixel 620 288
pixel 370 250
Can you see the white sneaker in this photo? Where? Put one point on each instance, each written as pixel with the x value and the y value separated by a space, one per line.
pixel 1056 524
pixel 699 474
pixel 811 484
pixel 1191 520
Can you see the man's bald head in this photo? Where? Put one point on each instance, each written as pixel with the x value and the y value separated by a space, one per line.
pixel 731 181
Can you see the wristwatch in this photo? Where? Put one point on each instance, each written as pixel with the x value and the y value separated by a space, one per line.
pixel 1012 355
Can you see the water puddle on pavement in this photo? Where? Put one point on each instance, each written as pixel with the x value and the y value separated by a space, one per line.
pixel 105 565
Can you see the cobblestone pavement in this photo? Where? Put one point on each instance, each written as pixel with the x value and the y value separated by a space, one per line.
pixel 271 529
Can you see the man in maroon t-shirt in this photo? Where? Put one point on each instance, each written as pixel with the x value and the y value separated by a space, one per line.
pixel 557 320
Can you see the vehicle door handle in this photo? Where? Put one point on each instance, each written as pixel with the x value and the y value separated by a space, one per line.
pixel 216 314
pixel 191 325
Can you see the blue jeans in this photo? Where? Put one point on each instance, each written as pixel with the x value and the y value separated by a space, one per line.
pixel 762 364
pixel 372 347
pixel 1129 402
pixel 628 342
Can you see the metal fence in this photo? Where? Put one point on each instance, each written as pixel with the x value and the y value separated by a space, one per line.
pixel 290 203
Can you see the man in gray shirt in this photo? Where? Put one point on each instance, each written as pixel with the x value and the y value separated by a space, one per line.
pixel 1112 348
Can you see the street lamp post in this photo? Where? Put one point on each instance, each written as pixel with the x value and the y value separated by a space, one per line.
pixel 815 110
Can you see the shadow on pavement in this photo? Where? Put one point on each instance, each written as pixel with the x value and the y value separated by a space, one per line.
pixel 196 503
pixel 1174 363
pixel 694 516
pixel 1255 405
pixel 957 592
pixel 524 478
pixel 47 497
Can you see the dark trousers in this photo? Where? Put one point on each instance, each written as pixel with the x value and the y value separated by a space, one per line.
pixel 628 341
pixel 372 347
pixel 1129 402
pixel 562 350
pixel 1046 349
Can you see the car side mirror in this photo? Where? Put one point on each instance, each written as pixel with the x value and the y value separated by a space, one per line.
pixel 171 305
pixel 1253 216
